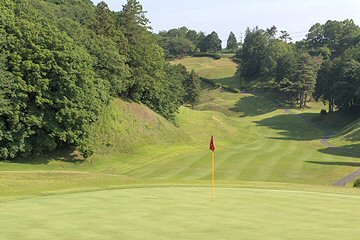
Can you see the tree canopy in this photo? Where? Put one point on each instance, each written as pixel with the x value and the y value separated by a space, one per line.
pixel 62 61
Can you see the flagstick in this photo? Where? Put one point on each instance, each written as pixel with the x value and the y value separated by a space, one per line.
pixel 213 173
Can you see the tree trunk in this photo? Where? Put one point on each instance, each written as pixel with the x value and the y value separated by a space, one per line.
pixel 302 100
pixel 331 105
pixel 305 99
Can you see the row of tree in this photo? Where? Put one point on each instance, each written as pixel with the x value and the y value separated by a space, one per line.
pixel 325 65
pixel 61 61
pixel 179 42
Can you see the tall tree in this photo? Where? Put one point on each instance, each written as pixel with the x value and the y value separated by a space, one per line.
pixel 306 75
pixel 325 88
pixel 253 52
pixel 272 32
pixel 232 43
pixel 104 23
pixel 285 36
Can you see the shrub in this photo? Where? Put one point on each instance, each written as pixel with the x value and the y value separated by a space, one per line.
pixel 218 85
pixel 236 90
pixel 323 112
pixel 357 183
pixel 215 56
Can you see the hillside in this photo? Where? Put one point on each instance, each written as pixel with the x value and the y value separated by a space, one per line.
pixel 219 71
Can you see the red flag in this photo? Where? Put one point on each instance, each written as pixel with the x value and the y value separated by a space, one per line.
pixel 212 144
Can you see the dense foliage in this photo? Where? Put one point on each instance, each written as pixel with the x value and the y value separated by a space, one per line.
pixel 61 61
pixel 179 42
pixel 325 65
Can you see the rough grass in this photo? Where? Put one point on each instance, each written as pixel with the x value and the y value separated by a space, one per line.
pixel 125 126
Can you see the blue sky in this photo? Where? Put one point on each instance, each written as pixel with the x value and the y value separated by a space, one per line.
pixel 224 16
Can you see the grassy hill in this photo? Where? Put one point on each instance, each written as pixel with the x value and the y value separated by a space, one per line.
pixel 150 178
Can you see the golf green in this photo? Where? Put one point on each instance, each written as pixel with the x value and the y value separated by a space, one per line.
pixel 183 213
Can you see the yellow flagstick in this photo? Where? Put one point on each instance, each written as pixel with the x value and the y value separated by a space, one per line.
pixel 212 148
pixel 213 173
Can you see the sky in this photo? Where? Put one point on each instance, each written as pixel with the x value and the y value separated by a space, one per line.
pixel 223 16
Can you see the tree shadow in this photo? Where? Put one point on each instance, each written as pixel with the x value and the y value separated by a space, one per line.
pixel 349 164
pixel 354 136
pixel 254 106
pixel 296 127
pixel 352 150
pixel 232 82
pixel 65 154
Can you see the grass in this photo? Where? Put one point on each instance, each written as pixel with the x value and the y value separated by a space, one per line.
pixel 149 178
pixel 219 71
pixel 183 213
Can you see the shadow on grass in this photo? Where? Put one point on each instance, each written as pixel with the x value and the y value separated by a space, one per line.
pixel 296 127
pixel 352 150
pixel 254 106
pixel 339 120
pixel 349 164
pixel 65 154
pixel 229 81
pixel 354 136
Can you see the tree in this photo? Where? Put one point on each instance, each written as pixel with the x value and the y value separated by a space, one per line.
pixel 306 75
pixel 178 42
pixel 285 36
pixel 51 89
pixel 276 49
pixel 253 52
pixel 326 84
pixel 232 43
pixel 192 89
pixel 315 37
pixel 104 23
pixel 286 66
pixel 211 43
pixel 337 36
pixel 151 80
pixel 201 42
pixel 271 32
pixel 347 88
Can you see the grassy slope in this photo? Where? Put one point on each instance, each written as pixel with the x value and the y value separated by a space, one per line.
pixel 220 71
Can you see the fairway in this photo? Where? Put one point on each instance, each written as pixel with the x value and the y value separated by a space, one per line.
pixel 183 213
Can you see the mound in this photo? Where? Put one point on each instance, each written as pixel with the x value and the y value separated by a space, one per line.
pixel 124 126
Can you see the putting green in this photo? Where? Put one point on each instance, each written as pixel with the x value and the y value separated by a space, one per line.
pixel 183 213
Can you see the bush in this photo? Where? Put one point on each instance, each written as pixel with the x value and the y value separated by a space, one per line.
pixel 323 112
pixel 218 85
pixel 357 183
pixel 215 56
pixel 236 90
